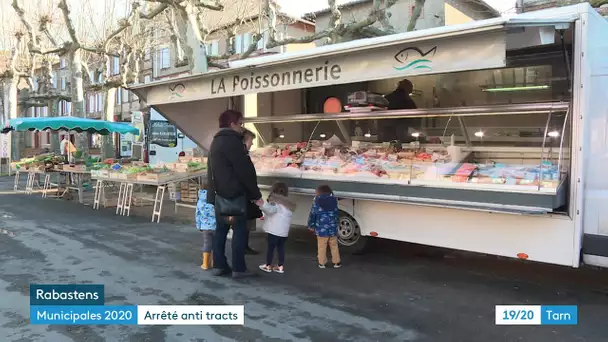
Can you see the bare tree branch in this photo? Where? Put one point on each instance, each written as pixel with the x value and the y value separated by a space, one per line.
pixel 418 6
pixel 63 6
pixel 33 42
pixel 158 10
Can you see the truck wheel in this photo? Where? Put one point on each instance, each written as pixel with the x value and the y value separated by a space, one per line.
pixel 349 234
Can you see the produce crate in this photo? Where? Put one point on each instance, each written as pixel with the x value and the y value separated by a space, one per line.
pixel 67 167
pixel 181 167
pixel 100 173
pixel 123 176
pixel 152 177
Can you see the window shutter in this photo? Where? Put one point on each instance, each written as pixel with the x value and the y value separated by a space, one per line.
pixel 238 43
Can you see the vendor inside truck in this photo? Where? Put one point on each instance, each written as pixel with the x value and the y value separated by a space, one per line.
pixel 399 129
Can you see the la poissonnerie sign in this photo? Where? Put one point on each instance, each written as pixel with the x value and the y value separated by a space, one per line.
pixel 255 82
pixel 399 60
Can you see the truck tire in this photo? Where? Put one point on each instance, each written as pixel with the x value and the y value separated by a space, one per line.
pixel 349 235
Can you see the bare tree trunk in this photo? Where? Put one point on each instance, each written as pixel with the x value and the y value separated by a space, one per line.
pixel 53 105
pixel 107 142
pixel 77 92
pixel 195 42
pixel 17 138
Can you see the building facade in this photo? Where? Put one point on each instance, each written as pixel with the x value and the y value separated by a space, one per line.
pixel 435 13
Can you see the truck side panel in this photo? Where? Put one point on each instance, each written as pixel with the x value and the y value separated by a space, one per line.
pixel 594 104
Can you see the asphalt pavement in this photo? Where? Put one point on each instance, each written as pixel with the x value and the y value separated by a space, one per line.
pixel 395 292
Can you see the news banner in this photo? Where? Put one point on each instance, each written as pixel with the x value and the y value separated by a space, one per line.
pixel 84 304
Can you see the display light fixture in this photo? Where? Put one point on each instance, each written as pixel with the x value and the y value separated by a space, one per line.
pixel 553 134
pixel 322 135
pixel 479 134
pixel 522 88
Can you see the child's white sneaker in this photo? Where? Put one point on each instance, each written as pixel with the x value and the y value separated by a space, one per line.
pixel 266 268
pixel 279 269
pixel 321 266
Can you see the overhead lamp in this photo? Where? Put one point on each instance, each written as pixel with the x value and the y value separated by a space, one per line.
pixel 368 134
pixel 281 136
pixel 322 135
pixel 553 134
pixel 522 88
pixel 416 135
pixel 479 134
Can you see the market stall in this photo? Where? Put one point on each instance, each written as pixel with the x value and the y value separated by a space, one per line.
pixel 69 169
pixel 160 177
pixel 492 161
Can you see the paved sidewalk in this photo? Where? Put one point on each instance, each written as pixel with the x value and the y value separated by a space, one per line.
pixel 390 294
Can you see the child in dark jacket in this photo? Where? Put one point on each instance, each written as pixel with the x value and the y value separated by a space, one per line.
pixel 323 220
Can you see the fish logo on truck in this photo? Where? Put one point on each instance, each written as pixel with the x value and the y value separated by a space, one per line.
pixel 177 90
pixel 412 58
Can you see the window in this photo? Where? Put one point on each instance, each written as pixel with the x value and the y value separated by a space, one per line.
pixel 99 100
pixel 115 66
pixel 147 54
pixel 125 95
pixel 238 43
pixel 65 108
pixel 246 41
pixel 94 140
pixel 62 63
pixel 118 96
pixel 212 48
pixel 45 138
pixel 54 79
pixel 147 79
pixel 135 97
pixel 35 83
pixel 45 111
pixel 92 76
pixel 263 41
pixel 164 58
pixel 63 83
pixel 100 77
pixel 91 103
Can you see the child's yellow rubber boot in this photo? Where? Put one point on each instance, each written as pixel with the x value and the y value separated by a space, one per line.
pixel 206 261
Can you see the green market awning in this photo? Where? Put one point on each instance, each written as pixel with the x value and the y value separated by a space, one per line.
pixel 69 123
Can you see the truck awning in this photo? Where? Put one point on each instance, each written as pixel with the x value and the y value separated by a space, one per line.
pixel 489 51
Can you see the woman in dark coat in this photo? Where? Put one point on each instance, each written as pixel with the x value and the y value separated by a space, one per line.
pixel 231 174
pixel 253 211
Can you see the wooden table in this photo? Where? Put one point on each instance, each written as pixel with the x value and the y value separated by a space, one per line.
pixel 125 192
pixel 74 181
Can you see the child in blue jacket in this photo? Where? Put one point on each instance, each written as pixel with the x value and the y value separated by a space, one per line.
pixel 323 220
pixel 205 223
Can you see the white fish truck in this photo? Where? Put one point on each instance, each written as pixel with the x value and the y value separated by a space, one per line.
pixel 506 153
